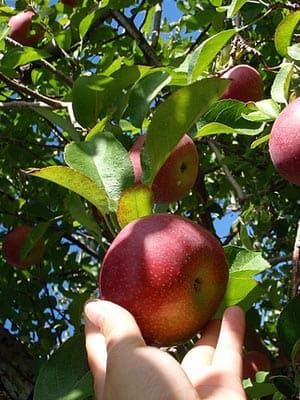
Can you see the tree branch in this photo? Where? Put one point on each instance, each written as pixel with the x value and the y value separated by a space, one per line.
pixel 229 176
pixel 136 35
pixel 12 83
pixel 296 263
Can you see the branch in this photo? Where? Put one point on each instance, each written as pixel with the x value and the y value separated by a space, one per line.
pixel 156 25
pixel 296 263
pixel 136 35
pixel 12 83
pixel 229 176
pixel 24 104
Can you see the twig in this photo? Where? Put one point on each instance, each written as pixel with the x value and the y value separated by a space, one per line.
pixel 136 35
pixel 24 104
pixel 12 83
pixel 156 25
pixel 296 263
pixel 229 176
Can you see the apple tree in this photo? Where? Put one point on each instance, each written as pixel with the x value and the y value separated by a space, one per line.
pixel 80 81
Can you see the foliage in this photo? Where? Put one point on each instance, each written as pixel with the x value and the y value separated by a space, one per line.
pixel 70 110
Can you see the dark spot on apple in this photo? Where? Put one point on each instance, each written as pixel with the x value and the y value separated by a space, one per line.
pixel 197 285
pixel 183 167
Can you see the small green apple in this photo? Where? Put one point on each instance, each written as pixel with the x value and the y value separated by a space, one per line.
pixel 169 272
pixel 12 247
pixel 178 174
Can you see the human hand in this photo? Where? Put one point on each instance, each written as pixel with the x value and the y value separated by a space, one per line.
pixel 124 368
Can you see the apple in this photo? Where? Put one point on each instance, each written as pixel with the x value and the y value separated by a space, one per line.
pixel 70 3
pixel 253 362
pixel 12 247
pixel 169 272
pixel 284 143
pixel 21 28
pixel 247 84
pixel 178 174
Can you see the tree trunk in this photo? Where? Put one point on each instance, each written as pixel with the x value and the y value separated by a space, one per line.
pixel 16 369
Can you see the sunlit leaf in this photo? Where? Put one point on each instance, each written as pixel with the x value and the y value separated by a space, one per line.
pixel 284 32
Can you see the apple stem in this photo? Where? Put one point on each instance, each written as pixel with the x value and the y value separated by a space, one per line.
pixel 296 263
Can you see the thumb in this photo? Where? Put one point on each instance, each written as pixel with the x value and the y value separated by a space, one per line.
pixel 115 323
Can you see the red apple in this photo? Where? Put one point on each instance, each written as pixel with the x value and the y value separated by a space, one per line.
pixel 284 144
pixel 12 247
pixel 169 272
pixel 70 3
pixel 177 176
pixel 246 85
pixel 253 362
pixel 21 29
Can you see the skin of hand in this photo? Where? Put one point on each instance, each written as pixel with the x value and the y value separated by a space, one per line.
pixel 124 367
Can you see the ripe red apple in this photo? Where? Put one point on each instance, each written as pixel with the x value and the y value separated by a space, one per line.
pixel 178 174
pixel 12 247
pixel 284 143
pixel 253 362
pixel 169 272
pixel 246 85
pixel 70 3
pixel 21 26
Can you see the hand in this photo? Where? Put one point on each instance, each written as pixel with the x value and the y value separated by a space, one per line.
pixel 124 368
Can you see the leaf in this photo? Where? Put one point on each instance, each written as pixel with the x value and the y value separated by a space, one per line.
pixel 143 93
pixel 173 118
pixel 21 56
pixel 76 182
pixel 206 52
pixel 246 261
pixel 59 121
pixel 259 141
pixel 85 24
pixel 284 32
pixel 215 128
pixel 66 375
pixel 87 98
pixel 288 326
pixel 135 202
pixel 281 84
pixel 294 51
pixel 244 265
pixel 105 161
pixel 234 7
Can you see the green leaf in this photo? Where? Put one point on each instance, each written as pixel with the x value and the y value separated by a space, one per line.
pixel 88 98
pixel 85 24
pixel 285 386
pixel 288 326
pixel 259 141
pixel 135 202
pixel 76 182
pixel 207 51
pixel 281 84
pixel 59 121
pixel 284 32
pixel 244 265
pixel 264 110
pixel 105 161
pixel 173 118
pixel 66 375
pixel 215 128
pixel 21 56
pixel 296 361
pixel 143 93
pixel 294 51
pixel 234 7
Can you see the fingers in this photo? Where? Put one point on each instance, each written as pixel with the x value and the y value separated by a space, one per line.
pixel 228 354
pixel 202 353
pixel 96 352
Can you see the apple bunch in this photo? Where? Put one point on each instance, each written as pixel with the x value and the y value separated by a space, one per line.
pixel 284 144
pixel 169 272
pixel 178 174
pixel 13 244
pixel 24 30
